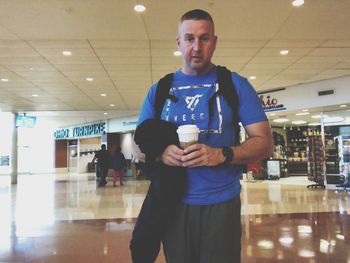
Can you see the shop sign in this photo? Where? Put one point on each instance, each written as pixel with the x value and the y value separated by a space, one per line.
pixel 88 130
pixel 270 102
pixel 127 123
pixel 5 160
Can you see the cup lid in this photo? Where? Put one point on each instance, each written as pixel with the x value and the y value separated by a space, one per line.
pixel 188 128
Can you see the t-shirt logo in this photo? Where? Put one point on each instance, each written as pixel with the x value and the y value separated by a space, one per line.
pixel 192 101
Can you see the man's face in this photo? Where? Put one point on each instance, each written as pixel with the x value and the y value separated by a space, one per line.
pixel 197 42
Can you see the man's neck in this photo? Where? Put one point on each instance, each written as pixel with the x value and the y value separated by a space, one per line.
pixel 192 72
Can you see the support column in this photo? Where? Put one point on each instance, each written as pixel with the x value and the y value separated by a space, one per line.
pixel 14 151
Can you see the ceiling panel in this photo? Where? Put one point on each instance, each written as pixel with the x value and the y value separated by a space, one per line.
pixel 126 52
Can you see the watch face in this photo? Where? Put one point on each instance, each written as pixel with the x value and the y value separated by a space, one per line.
pixel 228 153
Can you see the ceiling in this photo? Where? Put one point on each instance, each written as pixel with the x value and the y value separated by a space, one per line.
pixel 125 52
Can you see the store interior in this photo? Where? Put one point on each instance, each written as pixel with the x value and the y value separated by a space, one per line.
pixel 313 143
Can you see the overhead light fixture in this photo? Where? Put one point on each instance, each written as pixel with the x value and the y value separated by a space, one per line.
pixel 299 122
pixel 105 113
pixel 89 79
pixel 281 120
pixel 4 80
pixel 319 116
pixel 103 94
pixel 284 52
pixel 302 113
pixel 252 77
pixel 314 124
pixel 112 105
pixel 333 119
pixel 343 106
pixel 67 53
pixel 177 53
pixel 139 8
pixel 305 110
pixel 298 3
pixel 35 95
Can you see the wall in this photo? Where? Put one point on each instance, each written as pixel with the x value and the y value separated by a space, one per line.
pixel 306 95
pixel 87 147
pixel 123 124
pixel 61 154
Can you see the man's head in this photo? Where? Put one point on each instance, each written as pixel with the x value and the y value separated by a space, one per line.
pixel 103 147
pixel 197 41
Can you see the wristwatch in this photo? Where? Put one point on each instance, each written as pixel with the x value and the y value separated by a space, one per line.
pixel 228 154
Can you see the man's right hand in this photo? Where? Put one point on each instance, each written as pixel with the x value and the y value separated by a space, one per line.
pixel 172 155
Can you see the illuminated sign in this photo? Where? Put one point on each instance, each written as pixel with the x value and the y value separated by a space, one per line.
pixel 88 130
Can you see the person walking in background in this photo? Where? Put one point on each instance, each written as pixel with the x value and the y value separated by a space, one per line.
pixel 206 226
pixel 102 160
pixel 118 166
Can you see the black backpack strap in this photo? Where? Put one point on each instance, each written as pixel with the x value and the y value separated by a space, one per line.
pixel 162 93
pixel 228 91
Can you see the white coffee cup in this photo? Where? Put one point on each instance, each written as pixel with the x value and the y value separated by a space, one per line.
pixel 188 135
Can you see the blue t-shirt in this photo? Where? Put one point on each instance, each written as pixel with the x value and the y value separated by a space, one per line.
pixel 208 185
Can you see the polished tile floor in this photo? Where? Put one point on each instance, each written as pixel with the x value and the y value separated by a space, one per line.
pixel 66 219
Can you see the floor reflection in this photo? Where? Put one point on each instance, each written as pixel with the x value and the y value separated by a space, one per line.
pixel 48 220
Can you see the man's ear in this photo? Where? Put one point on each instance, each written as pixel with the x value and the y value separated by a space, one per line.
pixel 178 42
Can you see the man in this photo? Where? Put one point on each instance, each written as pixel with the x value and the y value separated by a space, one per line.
pixel 206 227
pixel 102 157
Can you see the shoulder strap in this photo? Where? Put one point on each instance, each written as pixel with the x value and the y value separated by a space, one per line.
pixel 228 91
pixel 162 93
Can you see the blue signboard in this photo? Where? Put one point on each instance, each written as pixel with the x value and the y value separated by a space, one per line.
pixel 87 130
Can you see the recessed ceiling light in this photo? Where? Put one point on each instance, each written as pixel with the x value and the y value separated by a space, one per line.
pixel 89 79
pixel 298 2
pixel 302 113
pixel 139 8
pixel 4 80
pixel 252 77
pixel 67 53
pixel 103 94
pixel 112 105
pixel 280 120
pixel 343 106
pixel 177 53
pixel 299 122
pixel 284 52
pixel 35 95
pixel 105 113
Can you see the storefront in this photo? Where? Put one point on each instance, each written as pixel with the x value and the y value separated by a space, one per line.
pixel 75 146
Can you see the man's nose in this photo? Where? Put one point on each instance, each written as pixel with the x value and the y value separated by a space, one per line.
pixel 196 44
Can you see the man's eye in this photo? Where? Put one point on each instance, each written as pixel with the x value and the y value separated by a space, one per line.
pixel 189 39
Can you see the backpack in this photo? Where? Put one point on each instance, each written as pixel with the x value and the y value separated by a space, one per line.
pixel 226 89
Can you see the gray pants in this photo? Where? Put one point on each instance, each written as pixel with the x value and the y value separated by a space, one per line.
pixel 204 234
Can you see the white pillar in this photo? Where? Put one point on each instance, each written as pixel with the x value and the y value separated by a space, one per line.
pixel 14 151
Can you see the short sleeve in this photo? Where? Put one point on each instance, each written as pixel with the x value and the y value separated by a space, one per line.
pixel 250 108
pixel 148 107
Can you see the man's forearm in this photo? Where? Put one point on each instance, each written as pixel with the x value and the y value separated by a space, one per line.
pixel 253 149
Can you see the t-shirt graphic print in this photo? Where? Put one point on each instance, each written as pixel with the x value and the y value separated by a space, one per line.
pixel 191 106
